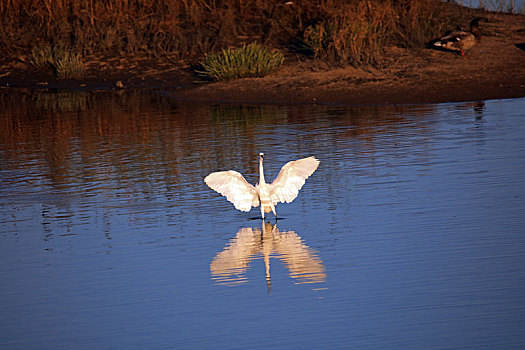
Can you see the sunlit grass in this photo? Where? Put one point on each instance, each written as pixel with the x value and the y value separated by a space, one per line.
pixel 247 61
pixel 69 65
pixel 65 63
pixel 41 58
pixel 348 37
pixel 354 32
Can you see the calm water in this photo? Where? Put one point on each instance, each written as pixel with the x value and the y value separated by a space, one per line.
pixel 411 234
pixel 511 6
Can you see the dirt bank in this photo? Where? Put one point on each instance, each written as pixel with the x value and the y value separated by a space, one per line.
pixel 494 69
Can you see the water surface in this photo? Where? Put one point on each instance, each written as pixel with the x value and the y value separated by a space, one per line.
pixel 409 235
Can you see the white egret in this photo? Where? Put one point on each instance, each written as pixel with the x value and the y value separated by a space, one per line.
pixel 283 189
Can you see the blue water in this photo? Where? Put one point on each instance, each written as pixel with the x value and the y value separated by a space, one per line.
pixel 409 235
pixel 510 6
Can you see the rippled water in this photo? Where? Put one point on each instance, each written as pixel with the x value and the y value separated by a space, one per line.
pixel 411 233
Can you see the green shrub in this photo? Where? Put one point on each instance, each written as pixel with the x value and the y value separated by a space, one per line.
pixel 247 61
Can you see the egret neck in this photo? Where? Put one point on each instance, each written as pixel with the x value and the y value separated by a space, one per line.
pixel 261 170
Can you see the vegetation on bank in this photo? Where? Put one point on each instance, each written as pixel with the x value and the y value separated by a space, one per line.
pixel 247 61
pixel 65 63
pixel 338 32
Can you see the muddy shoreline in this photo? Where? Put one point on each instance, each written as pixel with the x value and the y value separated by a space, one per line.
pixel 494 69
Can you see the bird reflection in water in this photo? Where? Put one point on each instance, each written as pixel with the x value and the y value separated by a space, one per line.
pixel 229 266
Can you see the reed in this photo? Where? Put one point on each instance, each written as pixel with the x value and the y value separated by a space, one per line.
pixel 338 31
pixel 349 34
pixel 65 63
pixel 416 22
pixel 356 33
pixel 250 60
pixel 69 65
pixel 41 58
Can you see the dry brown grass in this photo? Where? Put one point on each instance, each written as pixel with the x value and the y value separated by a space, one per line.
pixel 356 32
pixel 182 28
pixel 352 33
pixel 339 32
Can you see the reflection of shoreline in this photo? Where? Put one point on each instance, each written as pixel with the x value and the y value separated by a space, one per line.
pixel 82 138
pixel 229 266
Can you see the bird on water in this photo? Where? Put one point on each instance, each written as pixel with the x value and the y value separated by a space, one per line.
pixel 283 189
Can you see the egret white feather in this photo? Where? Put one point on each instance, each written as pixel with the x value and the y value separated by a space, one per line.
pixel 235 188
pixel 291 179
pixel 284 189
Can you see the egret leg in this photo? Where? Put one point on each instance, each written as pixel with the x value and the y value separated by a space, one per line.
pixel 262 212
pixel 274 212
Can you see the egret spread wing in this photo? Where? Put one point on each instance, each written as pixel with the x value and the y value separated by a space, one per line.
pixel 229 266
pixel 301 260
pixel 235 188
pixel 291 178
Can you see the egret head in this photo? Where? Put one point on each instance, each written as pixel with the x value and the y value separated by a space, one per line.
pixel 261 154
